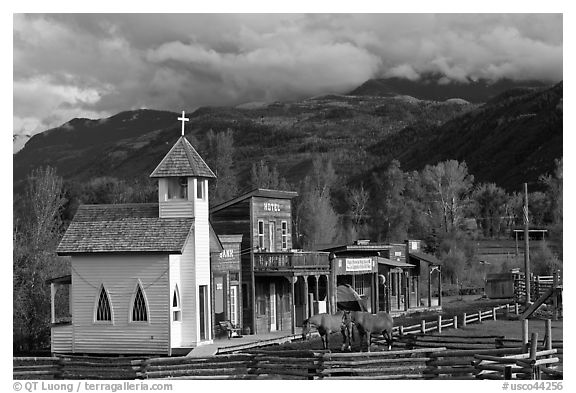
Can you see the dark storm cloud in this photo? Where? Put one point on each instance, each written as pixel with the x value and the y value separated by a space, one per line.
pixel 94 65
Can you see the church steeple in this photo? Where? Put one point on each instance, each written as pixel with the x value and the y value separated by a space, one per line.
pixel 182 180
pixel 182 160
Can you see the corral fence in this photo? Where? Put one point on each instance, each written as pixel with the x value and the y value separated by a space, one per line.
pixel 418 363
pixel 418 354
pixel 539 285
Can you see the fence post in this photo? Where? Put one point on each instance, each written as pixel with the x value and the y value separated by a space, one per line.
pixel 401 330
pixel 548 334
pixel 423 326
pixel 507 373
pixel 479 316
pixel 439 323
pixel 494 313
pixel 455 322
pixel 60 368
pixel 533 350
pixel 555 296
pixel 516 309
pixel 525 334
pixel 144 368
pixel 464 320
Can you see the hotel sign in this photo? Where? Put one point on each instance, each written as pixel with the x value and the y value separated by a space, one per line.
pixel 358 264
pixel 271 207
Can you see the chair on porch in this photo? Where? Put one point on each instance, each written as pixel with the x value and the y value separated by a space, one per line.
pixel 229 328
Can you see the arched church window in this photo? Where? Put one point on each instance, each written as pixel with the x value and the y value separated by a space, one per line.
pixel 176 308
pixel 139 307
pixel 103 308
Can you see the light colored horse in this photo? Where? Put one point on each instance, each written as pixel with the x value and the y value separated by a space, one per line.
pixel 327 324
pixel 368 324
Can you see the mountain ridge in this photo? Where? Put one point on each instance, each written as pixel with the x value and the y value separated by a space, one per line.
pixel 436 87
pixel 361 134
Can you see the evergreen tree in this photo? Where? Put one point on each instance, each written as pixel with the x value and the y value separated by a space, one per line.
pixel 489 208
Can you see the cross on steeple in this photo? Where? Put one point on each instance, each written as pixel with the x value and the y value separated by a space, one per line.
pixel 183 119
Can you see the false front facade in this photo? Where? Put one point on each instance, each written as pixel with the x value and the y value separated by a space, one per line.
pixel 280 286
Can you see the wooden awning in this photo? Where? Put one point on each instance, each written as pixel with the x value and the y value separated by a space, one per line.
pixel 389 262
pixel 60 280
pixel 431 259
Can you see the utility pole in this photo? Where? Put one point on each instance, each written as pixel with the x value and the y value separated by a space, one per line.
pixel 526 246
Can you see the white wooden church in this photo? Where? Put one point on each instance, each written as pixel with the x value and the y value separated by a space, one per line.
pixel 140 273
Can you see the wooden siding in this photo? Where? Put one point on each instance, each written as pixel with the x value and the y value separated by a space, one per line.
pixel 61 338
pixel 242 218
pixel 189 293
pixel 235 220
pixel 202 257
pixel 174 208
pixel 175 279
pixel 272 210
pixel 120 275
pixel 222 265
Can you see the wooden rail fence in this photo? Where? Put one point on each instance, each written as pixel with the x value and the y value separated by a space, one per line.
pixel 417 355
pixel 533 364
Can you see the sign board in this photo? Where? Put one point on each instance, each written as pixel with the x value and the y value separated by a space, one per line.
pixel 271 207
pixel 358 264
pixel 227 253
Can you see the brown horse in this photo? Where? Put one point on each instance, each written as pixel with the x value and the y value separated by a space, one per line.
pixel 327 324
pixel 368 324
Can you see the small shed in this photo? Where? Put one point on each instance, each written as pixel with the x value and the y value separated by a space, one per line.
pixel 500 285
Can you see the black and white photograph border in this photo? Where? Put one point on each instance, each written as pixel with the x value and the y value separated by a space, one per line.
pixel 378 172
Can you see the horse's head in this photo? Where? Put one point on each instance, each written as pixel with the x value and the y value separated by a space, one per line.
pixel 305 329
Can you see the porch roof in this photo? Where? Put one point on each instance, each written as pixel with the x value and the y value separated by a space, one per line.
pixel 431 259
pixel 67 279
pixel 389 262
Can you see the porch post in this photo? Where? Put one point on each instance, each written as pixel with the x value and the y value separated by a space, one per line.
pixel 333 287
pixel 439 287
pixel 306 316
pixel 328 295
pixel 406 291
pixel 316 290
pixel 398 281
pixel 387 291
pixel 376 293
pixel 52 301
pixel 417 291
pixel 429 286
pixel 292 308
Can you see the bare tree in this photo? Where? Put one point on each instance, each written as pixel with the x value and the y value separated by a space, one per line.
pixel 358 199
pixel 36 234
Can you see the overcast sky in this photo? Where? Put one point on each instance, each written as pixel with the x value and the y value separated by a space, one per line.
pixel 96 65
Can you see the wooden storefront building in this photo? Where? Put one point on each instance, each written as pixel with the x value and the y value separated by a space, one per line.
pixel 280 287
pixel 384 277
pixel 226 276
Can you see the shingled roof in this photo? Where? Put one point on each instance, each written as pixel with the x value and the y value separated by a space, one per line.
pixel 182 160
pixel 124 228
